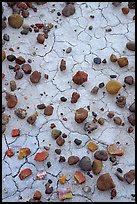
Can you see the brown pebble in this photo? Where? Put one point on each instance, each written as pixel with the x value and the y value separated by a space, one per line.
pixel 35 77
pixel 11 100
pixel 110 114
pixel 101 155
pixel 121 101
pixel 46 76
pixel 62 65
pixel 130 129
pixel 75 96
pixel 113 58
pixel 20 60
pixel 52 125
pixel 105 182
pixel 125 10
pixel 73 160
pixel 80 115
pixel 129 80
pixel 95 90
pixel 18 75
pixel 101 121
pixel 117 120
pixel 122 61
pixel 48 110
pixel 40 38
pixel 113 192
pixel 13 85
pixel 25 13
pixel 131 119
pixel 26 68
pixel 130 176
pixel 60 141
pixel 58 151
pixel 80 77
pixel 16 68
pixel 62 159
pixel 68 10
pixel 31 119
pixel 37 195
pixel 97 166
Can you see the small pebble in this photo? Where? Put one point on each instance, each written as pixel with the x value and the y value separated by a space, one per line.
pixel 101 85
pixel 6 37
pixel 129 80
pixel 49 164
pixel 97 60
pixel 62 159
pixel 130 129
pixel 101 155
pixel 95 90
pixel 110 114
pixel 112 158
pixel 77 142
pixel 90 27
pixel 113 76
pixel 11 58
pixel 58 151
pixel 24 31
pixel 18 75
pixel 104 61
pixel 63 99
pixel 119 170
pixel 68 50
pixel 41 106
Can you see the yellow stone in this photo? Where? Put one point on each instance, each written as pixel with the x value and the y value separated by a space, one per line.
pixel 113 87
pixel 92 146
pixel 3 55
pixel 122 61
pixel 62 179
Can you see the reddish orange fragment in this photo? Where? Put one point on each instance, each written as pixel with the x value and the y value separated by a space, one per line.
pixel 79 176
pixel 41 156
pixel 25 173
pixel 24 152
pixel 3 75
pixel 37 195
pixel 62 179
pixel 11 49
pixel 15 132
pixel 9 153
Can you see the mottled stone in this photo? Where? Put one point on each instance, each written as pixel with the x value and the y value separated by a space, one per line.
pixel 80 115
pixel 75 96
pixel 55 133
pixel 130 176
pixel 105 182
pixel 85 163
pixel 92 146
pixel 97 166
pixel 116 149
pixel 131 119
pixel 129 80
pixel 21 113
pixel 73 160
pixel 122 61
pixel 101 155
pixel 121 101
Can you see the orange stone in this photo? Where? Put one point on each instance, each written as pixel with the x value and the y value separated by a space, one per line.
pixel 15 132
pixel 125 10
pixel 9 153
pixel 92 146
pixel 79 176
pixel 62 179
pixel 41 156
pixel 116 149
pixel 37 195
pixel 25 173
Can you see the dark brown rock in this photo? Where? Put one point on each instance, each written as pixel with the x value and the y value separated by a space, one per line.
pixel 11 100
pixel 110 114
pixel 101 155
pixel 80 77
pixel 73 160
pixel 25 13
pixel 41 106
pixel 117 120
pixel 60 141
pixel 121 101
pixel 75 96
pixel 48 110
pixel 105 182
pixel 62 65
pixel 11 58
pixel 31 119
pixel 131 45
pixel 95 90
pixel 80 115
pixel 20 60
pixel 35 77
pixel 97 166
pixel 129 80
pixel 40 38
pixel 21 113
pixel 131 119
pixel 26 68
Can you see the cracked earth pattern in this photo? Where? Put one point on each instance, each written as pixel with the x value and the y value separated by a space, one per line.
pixel 86 44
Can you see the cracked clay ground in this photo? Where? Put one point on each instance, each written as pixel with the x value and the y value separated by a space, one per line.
pixel 86 44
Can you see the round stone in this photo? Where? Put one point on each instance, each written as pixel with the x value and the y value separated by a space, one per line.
pixel 101 155
pixel 15 21
pixel 35 77
pixel 97 60
pixel 85 163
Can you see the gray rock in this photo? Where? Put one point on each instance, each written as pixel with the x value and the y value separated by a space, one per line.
pixel 68 10
pixel 132 107
pixel 85 163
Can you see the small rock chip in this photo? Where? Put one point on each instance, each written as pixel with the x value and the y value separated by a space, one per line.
pixel 49 164
pixel 68 10
pixel 119 170
pixel 80 115
pixel 13 85
pixel 117 120
pixel 101 155
pixel 113 193
pixel 25 31
pixel 21 113
pixel 41 156
pixel 62 65
pixel 41 38
pixel 97 60
pixel 35 77
pixel 68 50
pixel 80 77
pixel 31 119
pixel 95 90
pixel 11 100
pixel 20 60
pixel 58 151
pixel 101 121
pixel 113 87
pixel 120 177
pixel 55 133
pixel 77 142
pixel 130 45
pixel 121 101
pixel 24 152
pixel 85 164
pixel 131 119
pixel 90 127
pixel 9 153
pixel 113 76
pixel 97 166
pixel 60 141
pixel 129 80
pixel 63 99
pixel 18 75
pixel 25 13
pixel 73 160
pixel 110 114
pixel 25 173
pixel 5 119
pixel 122 61
pixel 26 68
pixel 92 146
pixel 90 28
pixel 116 149
pixel 11 58
pixel 125 10
pixel 105 182
pixel 86 189
pixel 129 176
pixel 62 159
pixel 3 55
pixel 75 96
pixel 52 125
pixel 112 158
pixel 15 132
pixel 49 190
pixel 37 195
pixel 64 193
pixel 16 68
pixel 101 85
pixel 132 107
pixel 104 61
pixel 48 111
pixel 41 106
pixel 15 21
pixel 130 129
pixel 79 176
pixel 113 58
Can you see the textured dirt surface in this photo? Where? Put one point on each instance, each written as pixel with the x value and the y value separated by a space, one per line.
pixel 86 44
